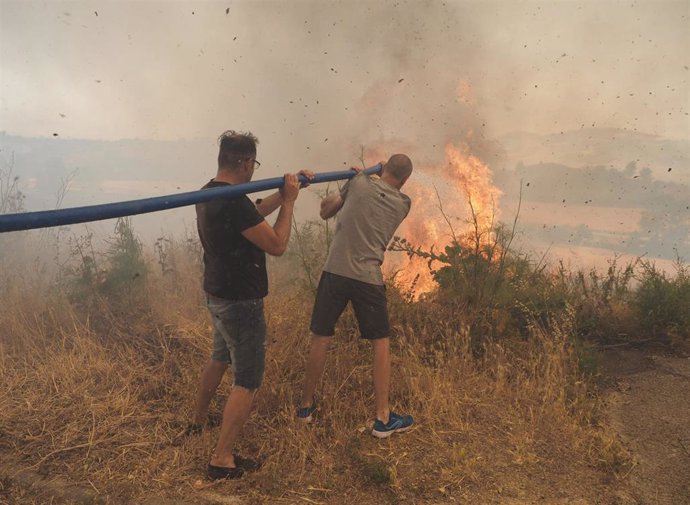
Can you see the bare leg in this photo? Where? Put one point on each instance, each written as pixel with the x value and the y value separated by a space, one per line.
pixel 210 379
pixel 236 412
pixel 382 377
pixel 314 368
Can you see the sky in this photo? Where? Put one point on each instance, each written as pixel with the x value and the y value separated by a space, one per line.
pixel 297 72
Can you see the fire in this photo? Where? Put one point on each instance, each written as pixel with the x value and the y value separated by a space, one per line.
pixel 447 200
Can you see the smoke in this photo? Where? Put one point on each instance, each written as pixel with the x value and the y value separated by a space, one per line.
pixel 317 81
pixel 365 73
pixel 298 73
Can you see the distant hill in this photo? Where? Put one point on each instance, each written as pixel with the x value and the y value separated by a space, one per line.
pixel 626 186
pixel 575 184
pixel 607 147
pixel 567 205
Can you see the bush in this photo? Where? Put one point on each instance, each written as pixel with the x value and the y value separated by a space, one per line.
pixel 663 304
pixel 499 291
pixel 602 301
pixel 126 265
pixel 118 275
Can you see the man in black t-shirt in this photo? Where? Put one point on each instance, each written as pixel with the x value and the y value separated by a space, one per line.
pixel 234 268
pixel 235 238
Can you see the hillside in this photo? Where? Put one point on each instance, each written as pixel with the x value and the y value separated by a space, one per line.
pixel 606 147
pixel 499 366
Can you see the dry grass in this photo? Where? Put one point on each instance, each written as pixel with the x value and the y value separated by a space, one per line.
pixel 99 396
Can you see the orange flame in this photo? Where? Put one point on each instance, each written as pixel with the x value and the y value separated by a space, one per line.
pixel 448 200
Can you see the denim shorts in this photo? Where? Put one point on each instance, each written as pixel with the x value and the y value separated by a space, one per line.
pixel 239 338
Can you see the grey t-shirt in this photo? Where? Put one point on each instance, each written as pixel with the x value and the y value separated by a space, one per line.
pixel 371 212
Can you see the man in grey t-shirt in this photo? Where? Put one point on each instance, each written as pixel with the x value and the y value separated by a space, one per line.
pixel 370 209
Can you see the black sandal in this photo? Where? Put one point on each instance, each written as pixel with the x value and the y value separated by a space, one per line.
pixel 246 464
pixel 224 473
pixel 242 465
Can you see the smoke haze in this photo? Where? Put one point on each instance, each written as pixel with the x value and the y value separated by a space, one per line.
pixel 169 70
pixel 315 80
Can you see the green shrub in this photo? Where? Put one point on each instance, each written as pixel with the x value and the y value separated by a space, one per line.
pixel 602 301
pixel 500 292
pixel 126 265
pixel 663 303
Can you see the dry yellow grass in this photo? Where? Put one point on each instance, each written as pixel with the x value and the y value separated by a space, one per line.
pixel 98 397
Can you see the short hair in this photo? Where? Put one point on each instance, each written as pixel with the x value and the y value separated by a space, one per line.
pixel 399 166
pixel 235 147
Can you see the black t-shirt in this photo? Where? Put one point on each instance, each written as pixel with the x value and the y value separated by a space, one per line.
pixel 234 268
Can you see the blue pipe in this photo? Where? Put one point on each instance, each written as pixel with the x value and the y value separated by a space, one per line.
pixel 61 217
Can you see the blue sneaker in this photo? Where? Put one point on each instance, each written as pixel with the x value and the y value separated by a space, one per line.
pixel 305 414
pixel 396 424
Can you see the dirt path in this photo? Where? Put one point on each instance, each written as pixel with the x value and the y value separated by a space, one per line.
pixel 649 405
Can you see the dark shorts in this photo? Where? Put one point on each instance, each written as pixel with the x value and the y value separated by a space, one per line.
pixel 239 338
pixel 368 302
